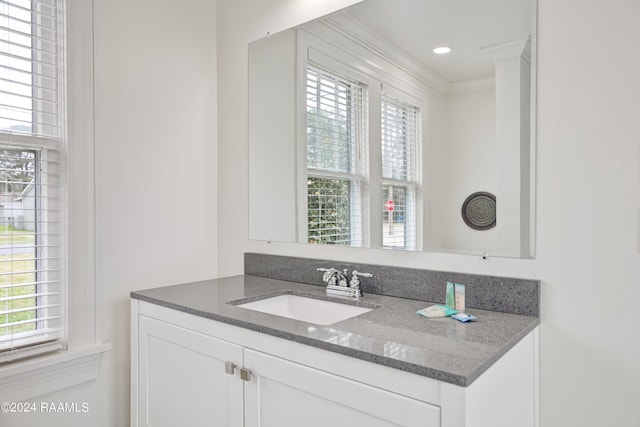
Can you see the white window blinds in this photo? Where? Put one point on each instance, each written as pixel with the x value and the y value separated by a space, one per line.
pixel 29 67
pixel 31 197
pixel 334 122
pixel 335 127
pixel 399 136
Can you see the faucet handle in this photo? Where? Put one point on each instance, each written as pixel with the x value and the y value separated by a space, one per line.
pixel 329 274
pixel 355 281
pixel 356 273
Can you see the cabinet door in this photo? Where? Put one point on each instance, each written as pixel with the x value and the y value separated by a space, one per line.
pixel 282 393
pixel 182 379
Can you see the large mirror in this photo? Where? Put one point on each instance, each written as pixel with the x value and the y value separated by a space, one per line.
pixel 362 134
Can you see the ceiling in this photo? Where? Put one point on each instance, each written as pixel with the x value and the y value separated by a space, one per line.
pixel 417 26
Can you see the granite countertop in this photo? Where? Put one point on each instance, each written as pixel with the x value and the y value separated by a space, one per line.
pixel 392 335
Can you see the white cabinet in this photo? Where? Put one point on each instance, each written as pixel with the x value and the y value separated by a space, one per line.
pixel 284 393
pixel 180 376
pixel 183 380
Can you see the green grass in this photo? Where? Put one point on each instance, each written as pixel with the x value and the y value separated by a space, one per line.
pixel 12 236
pixel 21 266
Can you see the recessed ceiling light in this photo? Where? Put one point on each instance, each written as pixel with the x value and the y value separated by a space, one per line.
pixel 442 50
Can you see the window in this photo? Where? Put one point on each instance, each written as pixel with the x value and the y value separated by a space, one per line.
pixel 32 249
pixel 338 177
pixel 399 136
pixel 335 163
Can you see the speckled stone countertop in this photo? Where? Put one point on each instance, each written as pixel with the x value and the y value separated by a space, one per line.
pixel 392 335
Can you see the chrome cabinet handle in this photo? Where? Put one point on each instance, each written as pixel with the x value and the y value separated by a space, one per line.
pixel 245 374
pixel 229 368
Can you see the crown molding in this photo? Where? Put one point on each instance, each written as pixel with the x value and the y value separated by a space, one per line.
pixel 474 85
pixel 509 50
pixel 380 47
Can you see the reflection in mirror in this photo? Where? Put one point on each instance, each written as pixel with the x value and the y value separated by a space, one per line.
pixel 361 135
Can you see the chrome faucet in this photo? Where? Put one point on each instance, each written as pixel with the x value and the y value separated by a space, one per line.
pixel 337 282
pixel 334 277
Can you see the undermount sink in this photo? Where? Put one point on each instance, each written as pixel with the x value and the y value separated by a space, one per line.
pixel 306 309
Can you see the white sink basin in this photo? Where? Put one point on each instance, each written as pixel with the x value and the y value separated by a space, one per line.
pixel 310 310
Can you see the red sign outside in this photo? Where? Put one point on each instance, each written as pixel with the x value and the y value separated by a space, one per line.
pixel 389 205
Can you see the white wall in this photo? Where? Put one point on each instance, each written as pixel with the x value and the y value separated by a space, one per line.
pixel 588 196
pixel 589 210
pixel 467 158
pixel 155 91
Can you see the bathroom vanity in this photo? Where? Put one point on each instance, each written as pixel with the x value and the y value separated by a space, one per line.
pixel 199 359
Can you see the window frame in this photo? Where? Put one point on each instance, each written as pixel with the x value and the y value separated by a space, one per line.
pixel 315 50
pixel 356 175
pixel 34 119
pixel 411 183
pixel 81 360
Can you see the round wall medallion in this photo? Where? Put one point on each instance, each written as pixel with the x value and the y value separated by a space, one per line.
pixel 479 211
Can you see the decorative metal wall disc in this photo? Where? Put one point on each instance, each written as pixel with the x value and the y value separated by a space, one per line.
pixel 479 211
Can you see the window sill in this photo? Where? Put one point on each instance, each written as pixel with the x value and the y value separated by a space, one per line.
pixel 29 379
